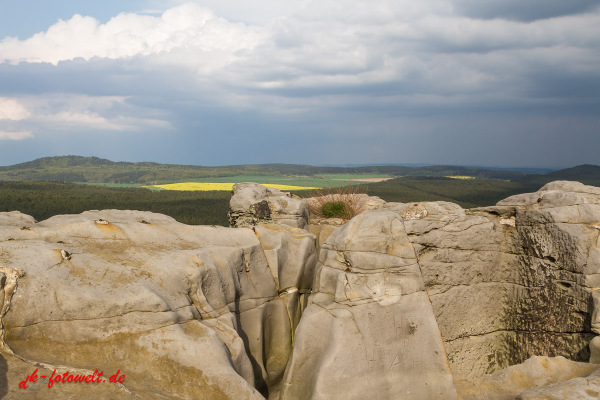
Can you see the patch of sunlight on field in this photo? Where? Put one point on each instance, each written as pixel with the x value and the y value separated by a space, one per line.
pixel 206 186
pixel 460 177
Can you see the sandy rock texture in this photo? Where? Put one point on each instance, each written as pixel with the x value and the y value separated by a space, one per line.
pixel 369 331
pixel 421 300
pixel 511 281
pixel 252 204
pixel 537 376
pixel 187 312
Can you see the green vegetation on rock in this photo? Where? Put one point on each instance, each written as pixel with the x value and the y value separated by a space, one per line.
pixel 334 209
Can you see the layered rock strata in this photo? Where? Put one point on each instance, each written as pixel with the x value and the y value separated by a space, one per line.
pixel 511 281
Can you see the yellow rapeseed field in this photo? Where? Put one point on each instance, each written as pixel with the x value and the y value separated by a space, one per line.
pixel 220 186
pixel 461 177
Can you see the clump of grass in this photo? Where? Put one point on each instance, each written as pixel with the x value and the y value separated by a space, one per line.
pixel 341 202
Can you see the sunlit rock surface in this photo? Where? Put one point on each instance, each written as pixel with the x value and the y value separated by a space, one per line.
pixel 420 300
pixel 183 311
pixel 370 331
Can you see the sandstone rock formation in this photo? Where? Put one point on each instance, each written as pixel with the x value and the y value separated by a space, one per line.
pixel 183 311
pixel 252 204
pixel 405 301
pixel 531 378
pixel 511 281
pixel 370 331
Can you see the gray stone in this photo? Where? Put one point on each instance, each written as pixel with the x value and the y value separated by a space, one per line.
pixel 369 331
pixel 187 312
pixel 536 375
pixel 252 204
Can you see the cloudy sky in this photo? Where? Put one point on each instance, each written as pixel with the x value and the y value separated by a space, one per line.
pixel 216 82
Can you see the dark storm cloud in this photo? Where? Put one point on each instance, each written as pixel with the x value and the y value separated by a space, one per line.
pixel 523 10
pixel 385 81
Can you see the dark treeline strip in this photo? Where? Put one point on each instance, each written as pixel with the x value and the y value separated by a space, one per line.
pixel 466 193
pixel 43 200
pixel 588 174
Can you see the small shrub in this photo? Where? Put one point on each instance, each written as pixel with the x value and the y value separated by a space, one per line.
pixel 343 202
pixel 335 209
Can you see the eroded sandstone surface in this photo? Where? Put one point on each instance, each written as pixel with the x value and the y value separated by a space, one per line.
pixel 183 311
pixel 406 301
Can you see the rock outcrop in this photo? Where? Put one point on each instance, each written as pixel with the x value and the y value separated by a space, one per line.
pixel 406 301
pixel 532 378
pixel 511 281
pixel 183 311
pixel 252 204
pixel 370 331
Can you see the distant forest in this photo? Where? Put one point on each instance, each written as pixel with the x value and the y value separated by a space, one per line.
pixel 43 199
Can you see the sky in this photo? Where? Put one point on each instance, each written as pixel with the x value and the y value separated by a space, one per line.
pixel 504 83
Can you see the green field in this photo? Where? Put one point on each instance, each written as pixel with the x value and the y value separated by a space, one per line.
pixel 93 169
pixel 32 188
pixel 320 181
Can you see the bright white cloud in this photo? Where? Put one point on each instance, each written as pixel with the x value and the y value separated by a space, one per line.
pixel 339 64
pixel 18 135
pixel 59 112
pixel 325 43
pixel 187 26
pixel 11 109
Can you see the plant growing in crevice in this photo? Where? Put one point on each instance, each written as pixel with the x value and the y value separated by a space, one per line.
pixel 342 202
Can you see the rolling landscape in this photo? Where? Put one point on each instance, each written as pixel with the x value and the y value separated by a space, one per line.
pixel 71 184
pixel 300 200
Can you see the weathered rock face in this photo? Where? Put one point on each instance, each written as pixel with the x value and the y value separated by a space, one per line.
pixel 580 388
pixel 535 376
pixel 252 204
pixel 403 299
pixel 370 331
pixel 510 281
pixel 182 311
pixel 505 282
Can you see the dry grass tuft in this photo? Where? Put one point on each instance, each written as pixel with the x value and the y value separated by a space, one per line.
pixel 341 202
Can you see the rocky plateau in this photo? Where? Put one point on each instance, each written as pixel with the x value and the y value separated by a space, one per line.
pixel 421 300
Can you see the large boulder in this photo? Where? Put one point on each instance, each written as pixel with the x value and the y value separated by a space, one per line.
pixel 252 204
pixel 370 331
pixel 188 312
pixel 510 281
pixel 538 377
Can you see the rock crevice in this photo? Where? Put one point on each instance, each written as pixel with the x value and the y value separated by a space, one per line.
pixel 404 301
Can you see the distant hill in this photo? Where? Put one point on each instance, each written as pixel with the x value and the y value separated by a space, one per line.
pixel 99 170
pixel 588 174
pixel 94 169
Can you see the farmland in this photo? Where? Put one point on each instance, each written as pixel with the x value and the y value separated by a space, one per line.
pixel 218 186
pixel 287 183
pixel 97 170
pixel 203 193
